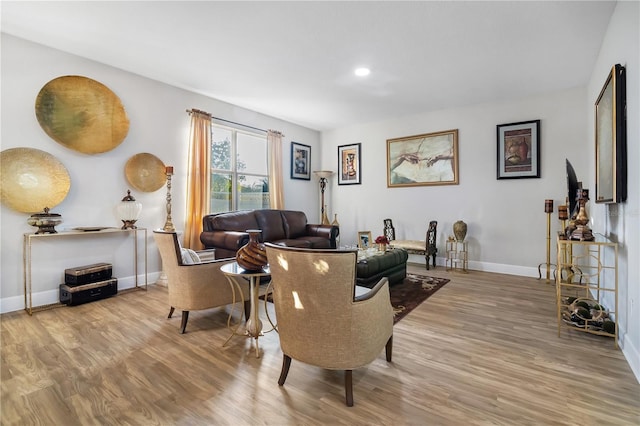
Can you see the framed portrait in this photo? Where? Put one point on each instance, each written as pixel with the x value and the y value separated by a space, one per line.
pixel 611 139
pixel 349 164
pixel 300 161
pixel 364 239
pixel 518 150
pixel 427 159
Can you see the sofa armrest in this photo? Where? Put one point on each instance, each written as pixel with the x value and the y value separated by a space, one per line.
pixel 230 240
pixel 329 232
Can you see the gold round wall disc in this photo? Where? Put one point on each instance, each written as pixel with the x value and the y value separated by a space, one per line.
pixel 145 172
pixel 32 180
pixel 81 114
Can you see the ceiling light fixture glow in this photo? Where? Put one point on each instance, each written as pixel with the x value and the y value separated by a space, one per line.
pixel 362 72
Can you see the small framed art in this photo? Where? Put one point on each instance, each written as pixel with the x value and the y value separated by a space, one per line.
pixel 300 161
pixel 364 239
pixel 518 150
pixel 349 164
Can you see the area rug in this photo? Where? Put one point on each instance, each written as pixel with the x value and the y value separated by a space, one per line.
pixel 409 294
pixel 414 290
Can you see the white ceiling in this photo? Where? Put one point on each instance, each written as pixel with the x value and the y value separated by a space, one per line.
pixel 295 60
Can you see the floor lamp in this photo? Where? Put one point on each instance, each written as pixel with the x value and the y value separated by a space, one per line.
pixel 323 175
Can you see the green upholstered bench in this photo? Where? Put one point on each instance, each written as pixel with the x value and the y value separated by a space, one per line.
pixel 391 264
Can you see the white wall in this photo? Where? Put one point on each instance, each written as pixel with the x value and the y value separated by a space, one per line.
pixel 506 223
pixel 621 222
pixel 159 125
pixel 507 226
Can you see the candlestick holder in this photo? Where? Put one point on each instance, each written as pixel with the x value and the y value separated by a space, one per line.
pixel 548 209
pixel 168 224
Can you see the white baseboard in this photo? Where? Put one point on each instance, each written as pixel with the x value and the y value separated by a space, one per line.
pixel 632 355
pixel 498 268
pixel 17 303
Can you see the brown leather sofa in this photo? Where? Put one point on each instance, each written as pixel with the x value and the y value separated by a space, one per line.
pixel 225 232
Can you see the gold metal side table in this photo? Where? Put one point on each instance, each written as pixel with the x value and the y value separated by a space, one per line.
pixel 457 258
pixel 253 327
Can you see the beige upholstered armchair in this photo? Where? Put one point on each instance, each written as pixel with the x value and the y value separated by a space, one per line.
pixel 320 321
pixel 194 286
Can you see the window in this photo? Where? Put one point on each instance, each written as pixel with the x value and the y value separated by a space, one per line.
pixel 242 184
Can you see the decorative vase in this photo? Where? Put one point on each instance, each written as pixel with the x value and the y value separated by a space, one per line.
pixel 382 247
pixel 460 230
pixel 46 222
pixel 336 224
pixel 252 256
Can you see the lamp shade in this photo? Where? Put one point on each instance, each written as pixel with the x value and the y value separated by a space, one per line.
pixel 128 211
pixel 323 174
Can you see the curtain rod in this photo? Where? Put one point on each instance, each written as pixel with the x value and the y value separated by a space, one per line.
pixel 191 111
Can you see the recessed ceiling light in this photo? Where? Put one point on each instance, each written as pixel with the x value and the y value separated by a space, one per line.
pixel 361 72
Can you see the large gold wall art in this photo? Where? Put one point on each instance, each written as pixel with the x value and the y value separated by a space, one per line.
pixel 145 172
pixel 32 180
pixel 82 114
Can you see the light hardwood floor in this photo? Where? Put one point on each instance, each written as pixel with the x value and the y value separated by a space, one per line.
pixel 483 350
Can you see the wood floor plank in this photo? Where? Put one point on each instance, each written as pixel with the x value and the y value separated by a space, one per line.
pixel 482 350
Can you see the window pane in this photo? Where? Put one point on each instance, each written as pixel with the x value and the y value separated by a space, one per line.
pixel 253 192
pixel 220 149
pixel 220 192
pixel 252 154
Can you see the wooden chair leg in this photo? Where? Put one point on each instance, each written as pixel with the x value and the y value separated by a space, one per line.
pixel 434 260
pixel 171 311
pixel 286 363
pixel 427 260
pixel 348 386
pixel 389 348
pixel 185 318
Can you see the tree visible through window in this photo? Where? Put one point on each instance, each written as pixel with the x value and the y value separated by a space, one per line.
pixel 239 170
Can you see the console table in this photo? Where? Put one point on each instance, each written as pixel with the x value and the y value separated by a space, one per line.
pixel 587 277
pixel 28 240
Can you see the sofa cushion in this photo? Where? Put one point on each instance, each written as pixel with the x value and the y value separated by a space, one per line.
pixel 316 242
pixel 295 223
pixel 270 222
pixel 233 221
pixel 299 243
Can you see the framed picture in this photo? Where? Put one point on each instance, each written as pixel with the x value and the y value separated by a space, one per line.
pixel 611 139
pixel 519 150
pixel 364 239
pixel 349 164
pixel 300 161
pixel 427 159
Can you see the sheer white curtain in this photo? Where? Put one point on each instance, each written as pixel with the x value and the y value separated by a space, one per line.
pixel 276 186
